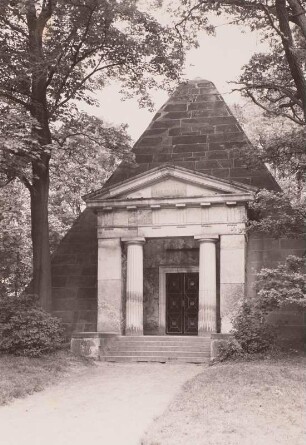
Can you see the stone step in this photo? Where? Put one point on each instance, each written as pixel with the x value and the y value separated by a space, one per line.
pixel 154 358
pixel 157 346
pixel 163 338
pixel 170 342
pixel 160 353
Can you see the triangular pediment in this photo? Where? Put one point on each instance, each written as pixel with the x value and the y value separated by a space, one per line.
pixel 169 182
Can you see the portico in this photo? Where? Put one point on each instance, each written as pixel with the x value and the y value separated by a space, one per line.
pixel 201 219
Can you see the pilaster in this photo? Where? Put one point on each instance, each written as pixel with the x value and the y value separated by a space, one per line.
pixel 109 285
pixel 232 277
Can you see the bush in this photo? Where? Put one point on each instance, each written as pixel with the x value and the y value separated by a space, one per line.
pixel 251 335
pixel 251 330
pixel 285 285
pixel 230 350
pixel 26 329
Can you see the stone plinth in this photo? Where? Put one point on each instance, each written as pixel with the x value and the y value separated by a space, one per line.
pixel 217 341
pixel 86 344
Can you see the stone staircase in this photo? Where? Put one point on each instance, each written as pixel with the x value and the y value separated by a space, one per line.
pixel 153 348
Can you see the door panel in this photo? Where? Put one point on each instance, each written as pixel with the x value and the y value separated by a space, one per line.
pixel 182 303
pixel 191 303
pixel 174 309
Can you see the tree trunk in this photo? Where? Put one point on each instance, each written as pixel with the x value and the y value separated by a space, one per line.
pixel 292 58
pixel 40 168
pixel 40 233
pixel 299 16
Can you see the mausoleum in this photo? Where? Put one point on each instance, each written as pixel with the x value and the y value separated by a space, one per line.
pixel 161 251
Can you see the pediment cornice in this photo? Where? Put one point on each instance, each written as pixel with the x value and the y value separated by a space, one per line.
pixel 212 188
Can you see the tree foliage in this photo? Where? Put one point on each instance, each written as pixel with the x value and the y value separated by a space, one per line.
pixel 54 53
pixel 73 48
pixel 285 285
pixel 75 170
pixel 281 145
pixel 276 215
pixel 15 245
pixel 274 80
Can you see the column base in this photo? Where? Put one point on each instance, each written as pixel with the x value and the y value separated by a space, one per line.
pixel 132 332
pixel 206 333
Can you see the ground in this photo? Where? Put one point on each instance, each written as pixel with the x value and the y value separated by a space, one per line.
pixel 243 403
pixel 21 376
pixel 111 404
pixel 250 403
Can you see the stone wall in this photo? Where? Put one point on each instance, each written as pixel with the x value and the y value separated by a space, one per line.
pixel 74 276
pixel 263 251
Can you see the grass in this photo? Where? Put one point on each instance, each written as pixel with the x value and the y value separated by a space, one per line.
pixel 20 376
pixel 242 403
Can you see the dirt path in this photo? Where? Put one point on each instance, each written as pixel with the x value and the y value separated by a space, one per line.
pixel 112 404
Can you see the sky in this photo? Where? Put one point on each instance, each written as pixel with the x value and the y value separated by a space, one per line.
pixel 218 59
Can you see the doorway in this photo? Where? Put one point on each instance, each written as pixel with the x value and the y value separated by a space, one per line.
pixel 182 303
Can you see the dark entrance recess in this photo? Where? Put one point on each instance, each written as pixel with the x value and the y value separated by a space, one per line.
pixel 182 303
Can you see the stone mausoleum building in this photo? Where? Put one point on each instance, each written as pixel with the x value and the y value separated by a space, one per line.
pixel 155 266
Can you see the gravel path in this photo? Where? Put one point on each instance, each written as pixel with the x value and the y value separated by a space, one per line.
pixel 112 404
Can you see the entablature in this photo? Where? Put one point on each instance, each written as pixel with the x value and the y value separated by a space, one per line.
pixel 154 203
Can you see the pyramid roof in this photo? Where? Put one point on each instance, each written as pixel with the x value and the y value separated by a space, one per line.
pixel 195 129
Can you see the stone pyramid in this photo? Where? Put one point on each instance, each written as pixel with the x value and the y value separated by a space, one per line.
pixel 195 129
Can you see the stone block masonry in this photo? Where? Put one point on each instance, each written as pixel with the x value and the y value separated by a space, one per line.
pixel 74 276
pixel 195 129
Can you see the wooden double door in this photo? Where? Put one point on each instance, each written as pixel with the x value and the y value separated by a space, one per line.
pixel 182 303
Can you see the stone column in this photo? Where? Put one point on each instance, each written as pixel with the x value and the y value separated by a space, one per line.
pixel 109 285
pixel 207 285
pixel 134 287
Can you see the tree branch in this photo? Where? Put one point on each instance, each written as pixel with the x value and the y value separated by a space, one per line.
pixel 256 102
pixel 292 59
pixel 262 86
pixel 14 99
pixel 27 183
pixel 14 27
pixel 82 82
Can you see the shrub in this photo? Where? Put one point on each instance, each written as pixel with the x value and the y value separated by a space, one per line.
pixel 251 330
pixel 278 287
pixel 251 335
pixel 230 349
pixel 26 329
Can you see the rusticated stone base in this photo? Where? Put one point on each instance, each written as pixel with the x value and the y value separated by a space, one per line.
pixel 86 344
pixel 92 344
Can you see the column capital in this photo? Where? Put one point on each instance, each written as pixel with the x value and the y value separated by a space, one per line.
pixel 207 238
pixel 133 240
